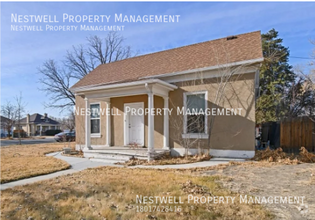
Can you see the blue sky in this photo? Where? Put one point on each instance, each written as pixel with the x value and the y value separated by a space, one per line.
pixel 23 52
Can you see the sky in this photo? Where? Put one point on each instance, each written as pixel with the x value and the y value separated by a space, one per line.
pixel 23 52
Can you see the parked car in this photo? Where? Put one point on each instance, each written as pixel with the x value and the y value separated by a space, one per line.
pixel 65 136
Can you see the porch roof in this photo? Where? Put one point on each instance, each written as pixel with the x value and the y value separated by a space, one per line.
pixel 155 86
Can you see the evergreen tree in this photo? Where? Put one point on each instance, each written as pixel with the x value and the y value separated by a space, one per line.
pixel 276 76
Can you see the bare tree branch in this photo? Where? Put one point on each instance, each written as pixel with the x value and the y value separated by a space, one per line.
pixel 79 61
pixel 8 110
pixel 56 84
pixel 20 109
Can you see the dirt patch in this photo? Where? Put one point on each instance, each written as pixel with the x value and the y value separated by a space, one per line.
pixel 274 179
pixel 74 153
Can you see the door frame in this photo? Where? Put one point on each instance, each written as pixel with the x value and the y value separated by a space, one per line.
pixel 126 122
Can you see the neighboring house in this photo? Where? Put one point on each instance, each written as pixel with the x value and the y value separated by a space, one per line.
pixel 37 124
pixel 4 123
pixel 170 79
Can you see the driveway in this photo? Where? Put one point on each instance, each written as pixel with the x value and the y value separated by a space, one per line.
pixel 31 141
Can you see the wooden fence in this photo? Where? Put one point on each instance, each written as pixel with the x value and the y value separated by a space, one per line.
pixel 296 133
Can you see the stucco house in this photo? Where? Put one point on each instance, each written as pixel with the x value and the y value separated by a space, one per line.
pixel 182 78
pixel 37 124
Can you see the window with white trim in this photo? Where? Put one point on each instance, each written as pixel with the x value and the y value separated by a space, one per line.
pixel 195 117
pixel 95 118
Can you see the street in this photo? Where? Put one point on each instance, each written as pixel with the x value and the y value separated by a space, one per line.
pixel 31 141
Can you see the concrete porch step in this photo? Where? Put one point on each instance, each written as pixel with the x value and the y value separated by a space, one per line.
pixel 120 154
pixel 108 161
pixel 112 156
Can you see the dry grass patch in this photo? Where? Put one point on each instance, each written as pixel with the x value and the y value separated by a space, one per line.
pixel 110 193
pixel 24 161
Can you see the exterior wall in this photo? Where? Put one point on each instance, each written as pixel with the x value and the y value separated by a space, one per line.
pixel 117 122
pixel 36 128
pixel 229 132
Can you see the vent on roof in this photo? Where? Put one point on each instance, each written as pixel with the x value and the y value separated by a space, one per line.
pixel 231 37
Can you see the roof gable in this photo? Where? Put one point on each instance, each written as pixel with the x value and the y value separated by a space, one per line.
pixel 39 119
pixel 210 53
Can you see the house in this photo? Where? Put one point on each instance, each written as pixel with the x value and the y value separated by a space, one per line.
pixel 37 124
pixel 5 123
pixel 183 78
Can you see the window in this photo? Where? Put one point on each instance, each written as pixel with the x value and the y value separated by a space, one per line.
pixel 195 109
pixel 95 118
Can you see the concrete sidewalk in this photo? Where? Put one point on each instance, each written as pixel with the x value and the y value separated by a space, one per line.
pixel 79 164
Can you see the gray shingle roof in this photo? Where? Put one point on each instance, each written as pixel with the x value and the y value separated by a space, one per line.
pixel 39 119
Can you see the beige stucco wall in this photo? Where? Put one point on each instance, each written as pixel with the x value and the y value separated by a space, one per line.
pixel 229 132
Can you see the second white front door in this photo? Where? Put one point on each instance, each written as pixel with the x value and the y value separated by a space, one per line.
pixel 134 124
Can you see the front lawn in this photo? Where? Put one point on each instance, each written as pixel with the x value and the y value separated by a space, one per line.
pixel 24 161
pixel 111 192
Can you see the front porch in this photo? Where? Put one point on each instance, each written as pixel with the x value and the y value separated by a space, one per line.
pixel 126 135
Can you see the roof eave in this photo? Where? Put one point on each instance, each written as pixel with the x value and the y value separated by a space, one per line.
pixel 152 79
pixel 124 84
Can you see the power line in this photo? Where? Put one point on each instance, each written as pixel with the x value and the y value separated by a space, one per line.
pixel 305 58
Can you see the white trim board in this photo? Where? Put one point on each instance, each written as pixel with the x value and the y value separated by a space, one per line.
pixel 233 153
pixel 216 153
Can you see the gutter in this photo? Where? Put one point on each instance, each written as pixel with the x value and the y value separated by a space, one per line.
pixel 117 85
pixel 247 62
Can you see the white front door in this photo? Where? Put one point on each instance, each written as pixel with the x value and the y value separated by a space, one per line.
pixel 134 124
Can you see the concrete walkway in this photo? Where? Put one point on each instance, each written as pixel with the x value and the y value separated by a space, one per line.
pixel 79 164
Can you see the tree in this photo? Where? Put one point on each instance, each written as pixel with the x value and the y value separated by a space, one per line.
pixel 8 111
pixel 20 109
pixel 276 76
pixel 57 77
pixel 300 99
pixel 69 121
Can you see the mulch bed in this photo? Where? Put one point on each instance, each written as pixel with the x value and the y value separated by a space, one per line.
pixel 167 160
pixel 279 156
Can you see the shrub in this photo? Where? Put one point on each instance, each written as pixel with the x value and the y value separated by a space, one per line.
pixel 16 133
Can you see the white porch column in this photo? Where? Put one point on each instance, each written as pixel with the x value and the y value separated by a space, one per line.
pixel 87 125
pixel 166 125
pixel 41 129
pixel 108 125
pixel 150 124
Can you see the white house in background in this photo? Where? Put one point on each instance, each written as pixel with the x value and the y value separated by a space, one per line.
pixel 37 124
